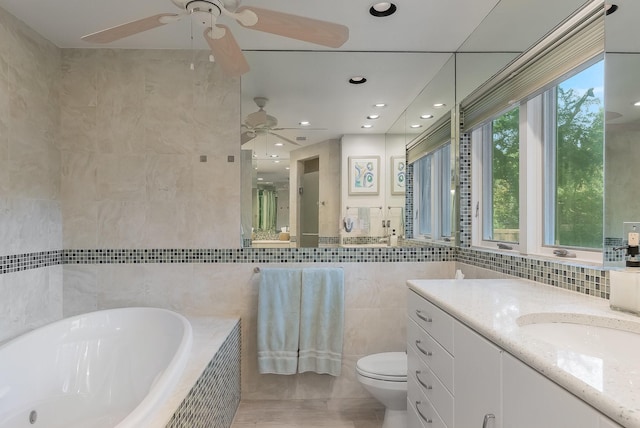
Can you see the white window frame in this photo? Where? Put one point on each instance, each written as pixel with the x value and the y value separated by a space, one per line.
pixel 480 180
pixel 537 158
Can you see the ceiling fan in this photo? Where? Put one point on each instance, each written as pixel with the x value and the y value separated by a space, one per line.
pixel 260 122
pixel 223 45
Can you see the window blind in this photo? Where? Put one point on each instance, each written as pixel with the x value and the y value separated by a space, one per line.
pixel 434 137
pixel 579 39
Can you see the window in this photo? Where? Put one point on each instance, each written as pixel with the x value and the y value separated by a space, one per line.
pixel 501 179
pixel 432 194
pixel 574 161
pixel 538 170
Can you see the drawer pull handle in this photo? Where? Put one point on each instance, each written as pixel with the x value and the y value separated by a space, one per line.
pixel 425 352
pixel 421 382
pixel 424 418
pixel 423 317
pixel 487 417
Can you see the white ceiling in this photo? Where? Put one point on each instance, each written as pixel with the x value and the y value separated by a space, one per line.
pixel 399 55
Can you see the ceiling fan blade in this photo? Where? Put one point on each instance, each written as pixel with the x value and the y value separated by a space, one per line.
pixel 227 52
pixel 245 137
pixel 256 119
pixel 284 138
pixel 298 27
pixel 125 30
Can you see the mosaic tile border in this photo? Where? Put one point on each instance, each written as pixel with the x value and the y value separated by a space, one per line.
pixel 214 399
pixel 582 279
pixel 20 262
pixel 262 255
pixel 466 210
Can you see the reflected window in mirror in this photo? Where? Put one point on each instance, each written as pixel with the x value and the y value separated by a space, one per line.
pixel 432 195
pixel 538 171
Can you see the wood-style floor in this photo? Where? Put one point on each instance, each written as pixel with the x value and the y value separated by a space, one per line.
pixel 308 414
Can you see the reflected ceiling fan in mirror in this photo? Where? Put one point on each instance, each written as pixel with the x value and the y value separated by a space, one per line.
pixel 223 45
pixel 260 122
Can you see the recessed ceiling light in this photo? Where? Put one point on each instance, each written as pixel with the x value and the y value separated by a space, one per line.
pixel 279 144
pixel 357 80
pixel 426 116
pixel 276 161
pixel 367 126
pixel 439 105
pixel 610 8
pixel 415 125
pixel 383 9
pixel 260 179
pixel 380 105
pixel 373 116
pixel 274 156
pixel 305 123
pixel 637 104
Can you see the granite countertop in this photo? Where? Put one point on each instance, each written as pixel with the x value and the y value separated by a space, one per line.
pixel 503 310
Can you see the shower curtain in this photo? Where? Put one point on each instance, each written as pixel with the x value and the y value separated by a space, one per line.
pixel 267 209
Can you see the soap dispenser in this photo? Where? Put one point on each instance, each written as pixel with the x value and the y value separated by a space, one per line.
pixel 632 248
pixel 393 239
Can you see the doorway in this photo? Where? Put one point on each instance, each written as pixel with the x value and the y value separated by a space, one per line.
pixel 308 199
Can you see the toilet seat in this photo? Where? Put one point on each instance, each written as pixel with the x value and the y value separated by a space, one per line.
pixel 386 366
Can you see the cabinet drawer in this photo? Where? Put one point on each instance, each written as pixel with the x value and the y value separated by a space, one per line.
pixel 420 412
pixel 435 356
pixel 434 320
pixel 431 387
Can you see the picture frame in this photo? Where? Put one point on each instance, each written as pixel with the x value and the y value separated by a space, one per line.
pixel 364 175
pixel 398 175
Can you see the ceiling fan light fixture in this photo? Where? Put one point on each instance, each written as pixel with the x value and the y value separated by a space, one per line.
pixel 383 9
pixel 357 80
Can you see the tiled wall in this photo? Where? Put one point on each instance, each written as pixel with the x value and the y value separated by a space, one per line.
pixel 30 215
pixel 213 400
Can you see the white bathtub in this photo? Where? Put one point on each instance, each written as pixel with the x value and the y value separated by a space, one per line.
pixel 105 369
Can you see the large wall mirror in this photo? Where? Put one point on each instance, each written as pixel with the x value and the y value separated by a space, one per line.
pixel 622 128
pixel 298 180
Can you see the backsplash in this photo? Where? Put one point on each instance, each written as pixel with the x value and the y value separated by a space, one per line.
pixel 583 279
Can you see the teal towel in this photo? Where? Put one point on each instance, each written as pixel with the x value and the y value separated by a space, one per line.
pixel 321 321
pixel 279 320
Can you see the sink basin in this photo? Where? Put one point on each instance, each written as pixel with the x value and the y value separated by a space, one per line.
pixel 585 344
pixel 593 336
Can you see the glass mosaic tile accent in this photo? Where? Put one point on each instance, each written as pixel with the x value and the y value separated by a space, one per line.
pixel 20 262
pixel 466 210
pixel 214 399
pixel 262 255
pixel 582 279
pixel 408 209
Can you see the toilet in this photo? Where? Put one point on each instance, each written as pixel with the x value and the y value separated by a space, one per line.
pixel 385 377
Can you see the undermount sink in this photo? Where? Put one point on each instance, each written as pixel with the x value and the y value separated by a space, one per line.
pixel 585 335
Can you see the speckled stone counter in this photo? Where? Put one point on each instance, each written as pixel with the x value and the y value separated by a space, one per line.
pixel 501 310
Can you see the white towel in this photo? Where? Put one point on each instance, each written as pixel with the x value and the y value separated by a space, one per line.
pixel 321 321
pixel 279 320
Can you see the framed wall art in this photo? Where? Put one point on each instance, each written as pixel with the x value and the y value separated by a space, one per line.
pixel 364 175
pixel 398 174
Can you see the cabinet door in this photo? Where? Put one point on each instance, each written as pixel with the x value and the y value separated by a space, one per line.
pixel 530 400
pixel 476 380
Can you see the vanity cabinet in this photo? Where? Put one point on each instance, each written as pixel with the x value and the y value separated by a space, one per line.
pixel 459 379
